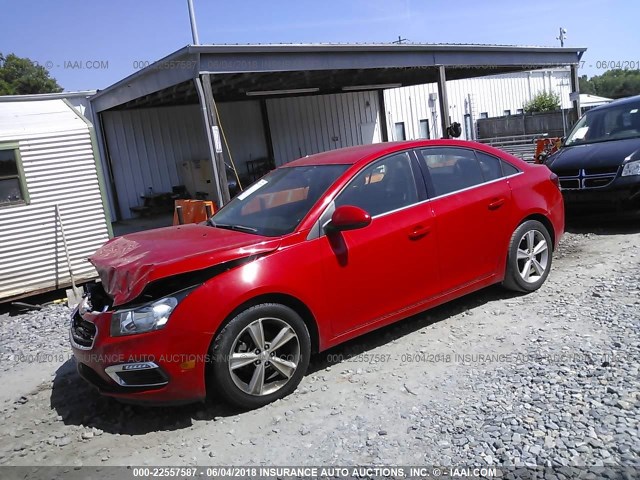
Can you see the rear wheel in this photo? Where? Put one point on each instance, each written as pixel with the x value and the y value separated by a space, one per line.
pixel 529 258
pixel 260 355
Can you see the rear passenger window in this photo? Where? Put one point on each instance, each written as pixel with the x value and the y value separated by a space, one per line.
pixel 490 166
pixel 452 169
pixel 508 169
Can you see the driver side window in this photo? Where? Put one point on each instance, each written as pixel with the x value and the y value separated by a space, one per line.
pixel 383 186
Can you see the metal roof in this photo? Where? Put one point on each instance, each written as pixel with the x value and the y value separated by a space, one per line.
pixel 26 119
pixel 239 70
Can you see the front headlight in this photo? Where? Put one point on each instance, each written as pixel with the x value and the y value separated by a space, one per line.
pixel 631 168
pixel 145 318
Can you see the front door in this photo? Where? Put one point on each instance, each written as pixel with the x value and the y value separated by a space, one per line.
pixel 390 265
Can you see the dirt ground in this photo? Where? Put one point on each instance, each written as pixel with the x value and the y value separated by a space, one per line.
pixel 469 382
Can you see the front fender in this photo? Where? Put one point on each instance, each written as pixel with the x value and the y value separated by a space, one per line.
pixel 292 271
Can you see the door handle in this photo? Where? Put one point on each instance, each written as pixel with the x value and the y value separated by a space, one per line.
pixel 419 231
pixel 496 203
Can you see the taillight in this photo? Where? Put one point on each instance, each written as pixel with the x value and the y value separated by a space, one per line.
pixel 554 178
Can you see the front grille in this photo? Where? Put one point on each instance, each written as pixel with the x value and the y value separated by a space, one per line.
pixel 82 331
pixel 569 183
pixel 587 178
pixel 601 171
pixel 597 182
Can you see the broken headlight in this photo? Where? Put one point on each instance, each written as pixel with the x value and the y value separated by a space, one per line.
pixel 144 318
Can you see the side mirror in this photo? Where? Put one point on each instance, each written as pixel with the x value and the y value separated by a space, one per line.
pixel 348 217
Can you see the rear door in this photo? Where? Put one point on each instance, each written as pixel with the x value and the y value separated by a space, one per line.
pixel 392 264
pixel 471 201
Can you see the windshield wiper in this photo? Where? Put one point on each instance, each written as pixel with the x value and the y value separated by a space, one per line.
pixel 237 228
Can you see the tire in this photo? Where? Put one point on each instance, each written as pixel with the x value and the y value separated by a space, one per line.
pixel 250 376
pixel 529 257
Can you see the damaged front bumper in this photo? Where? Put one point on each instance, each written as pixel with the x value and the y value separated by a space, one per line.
pixel 161 367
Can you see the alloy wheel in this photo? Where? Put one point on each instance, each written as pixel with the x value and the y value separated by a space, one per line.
pixel 264 356
pixel 532 256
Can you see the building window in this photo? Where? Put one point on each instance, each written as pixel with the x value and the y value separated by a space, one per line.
pixel 400 134
pixel 484 115
pixel 520 111
pixel 507 112
pixel 424 129
pixel 12 185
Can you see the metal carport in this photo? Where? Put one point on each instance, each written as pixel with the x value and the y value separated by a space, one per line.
pixel 208 74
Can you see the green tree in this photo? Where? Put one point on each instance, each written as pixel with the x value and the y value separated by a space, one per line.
pixel 585 85
pixel 21 76
pixel 615 83
pixel 543 102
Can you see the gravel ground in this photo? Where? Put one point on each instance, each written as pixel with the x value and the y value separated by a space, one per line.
pixel 493 379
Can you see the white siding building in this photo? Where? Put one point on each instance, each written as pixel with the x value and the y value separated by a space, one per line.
pixel 48 158
pixel 414 112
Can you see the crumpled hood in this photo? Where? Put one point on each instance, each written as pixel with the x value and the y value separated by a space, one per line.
pixel 594 155
pixel 127 264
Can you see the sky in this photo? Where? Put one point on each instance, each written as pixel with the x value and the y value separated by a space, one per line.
pixel 91 44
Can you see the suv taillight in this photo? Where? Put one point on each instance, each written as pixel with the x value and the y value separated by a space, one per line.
pixel 554 178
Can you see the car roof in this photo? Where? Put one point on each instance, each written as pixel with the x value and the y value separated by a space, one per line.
pixel 363 153
pixel 616 103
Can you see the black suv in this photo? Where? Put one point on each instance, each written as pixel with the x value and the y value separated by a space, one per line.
pixel 599 163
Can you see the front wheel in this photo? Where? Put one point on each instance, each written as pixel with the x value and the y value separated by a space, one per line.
pixel 260 356
pixel 529 258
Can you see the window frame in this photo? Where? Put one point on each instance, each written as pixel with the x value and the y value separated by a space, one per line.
pixel 421 177
pixel 22 180
pixel 429 181
pixel 418 180
pixel 317 230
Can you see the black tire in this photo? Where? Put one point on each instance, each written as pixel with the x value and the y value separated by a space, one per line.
pixel 514 278
pixel 236 337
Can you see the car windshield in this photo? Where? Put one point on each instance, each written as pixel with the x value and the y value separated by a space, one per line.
pixel 611 123
pixel 277 203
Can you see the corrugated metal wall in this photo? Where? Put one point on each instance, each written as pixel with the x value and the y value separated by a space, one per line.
pixel 242 124
pixel 491 95
pixel 59 168
pixel 305 125
pixel 146 146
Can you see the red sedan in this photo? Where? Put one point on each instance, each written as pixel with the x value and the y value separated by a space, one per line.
pixel 317 252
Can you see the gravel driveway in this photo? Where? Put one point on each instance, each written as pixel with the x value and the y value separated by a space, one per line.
pixel 493 379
